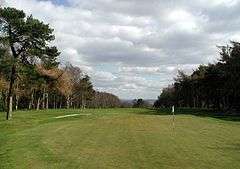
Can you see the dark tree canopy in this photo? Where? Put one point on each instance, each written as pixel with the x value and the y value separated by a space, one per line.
pixel 138 103
pixel 210 86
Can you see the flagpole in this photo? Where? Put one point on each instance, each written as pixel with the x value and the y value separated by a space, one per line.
pixel 173 116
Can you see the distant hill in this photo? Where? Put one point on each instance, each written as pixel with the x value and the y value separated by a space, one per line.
pixel 150 101
pixel 130 101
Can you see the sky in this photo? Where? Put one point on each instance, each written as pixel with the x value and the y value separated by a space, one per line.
pixel 134 48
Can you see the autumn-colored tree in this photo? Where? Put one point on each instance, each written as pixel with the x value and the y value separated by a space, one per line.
pixel 104 100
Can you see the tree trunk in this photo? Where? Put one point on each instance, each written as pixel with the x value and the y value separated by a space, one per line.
pixel 31 101
pixel 1 100
pixel 43 99
pixel 10 107
pixel 38 103
pixel 16 106
pixel 54 101
pixel 10 92
pixel 68 102
pixel 12 76
pixel 46 101
pixel 60 104
pixel 194 102
pixel 16 97
pixel 82 104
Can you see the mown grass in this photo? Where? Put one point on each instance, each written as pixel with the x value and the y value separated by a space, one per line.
pixel 118 138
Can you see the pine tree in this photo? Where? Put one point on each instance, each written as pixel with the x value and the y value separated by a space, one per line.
pixel 28 40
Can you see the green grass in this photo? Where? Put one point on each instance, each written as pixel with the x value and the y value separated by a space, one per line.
pixel 118 138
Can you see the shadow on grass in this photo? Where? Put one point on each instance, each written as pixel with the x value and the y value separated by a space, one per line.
pixel 193 111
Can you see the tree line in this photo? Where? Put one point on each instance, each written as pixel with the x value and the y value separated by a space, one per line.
pixel 214 86
pixel 31 76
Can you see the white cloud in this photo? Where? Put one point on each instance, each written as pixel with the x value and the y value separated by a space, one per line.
pixel 182 20
pixel 104 76
pixel 141 43
pixel 214 3
pixel 140 69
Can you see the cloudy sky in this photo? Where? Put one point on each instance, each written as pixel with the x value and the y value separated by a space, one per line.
pixel 133 48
